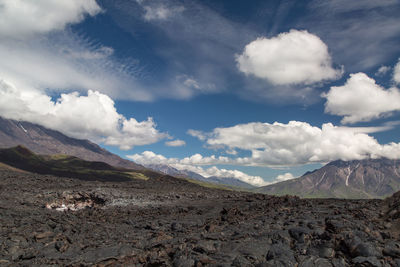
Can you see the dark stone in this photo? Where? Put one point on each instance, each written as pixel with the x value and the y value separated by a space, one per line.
pixel 240 261
pixel 254 250
pixel 281 236
pixel 312 261
pixel 339 262
pixel 205 247
pixel 101 254
pixel 183 262
pixel 281 252
pixel 367 261
pixel 280 263
pixel 28 255
pixel 392 249
pixel 176 226
pixel 366 250
pixel 326 252
pixel 299 234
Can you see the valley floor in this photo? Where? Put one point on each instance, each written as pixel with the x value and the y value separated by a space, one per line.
pixel 47 220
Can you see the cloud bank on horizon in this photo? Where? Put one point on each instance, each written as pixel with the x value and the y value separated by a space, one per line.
pixel 192 164
pixel 53 73
pixel 291 144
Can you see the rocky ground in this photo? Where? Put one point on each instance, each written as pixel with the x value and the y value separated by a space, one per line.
pixel 46 220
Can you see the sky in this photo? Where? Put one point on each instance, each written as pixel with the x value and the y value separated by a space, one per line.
pixel 261 91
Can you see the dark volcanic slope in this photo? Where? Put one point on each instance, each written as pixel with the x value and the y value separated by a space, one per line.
pixel 372 178
pixel 67 166
pixel 45 141
pixel 167 222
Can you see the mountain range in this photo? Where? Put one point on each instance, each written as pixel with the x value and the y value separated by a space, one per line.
pixel 45 141
pixel 228 181
pixel 369 178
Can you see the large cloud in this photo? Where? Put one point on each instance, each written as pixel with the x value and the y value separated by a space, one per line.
pixel 295 57
pixel 361 99
pixel 296 143
pixel 93 116
pixel 21 18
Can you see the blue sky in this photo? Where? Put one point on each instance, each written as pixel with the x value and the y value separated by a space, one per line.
pixel 270 89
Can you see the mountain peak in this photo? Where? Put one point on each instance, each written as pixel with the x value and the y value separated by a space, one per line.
pixel 368 178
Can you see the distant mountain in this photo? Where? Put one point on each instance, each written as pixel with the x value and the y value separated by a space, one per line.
pixel 228 181
pixel 45 141
pixel 66 166
pixel 166 169
pixel 370 178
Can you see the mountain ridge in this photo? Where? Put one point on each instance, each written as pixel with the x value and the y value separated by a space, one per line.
pixel 65 166
pixel 42 140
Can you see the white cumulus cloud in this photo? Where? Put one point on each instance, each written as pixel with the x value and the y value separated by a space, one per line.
pixel 361 99
pixel 396 73
pixel 175 143
pixel 224 173
pixel 283 145
pixel 198 134
pixel 297 143
pixel 382 70
pixel 149 158
pixel 92 116
pixel 294 57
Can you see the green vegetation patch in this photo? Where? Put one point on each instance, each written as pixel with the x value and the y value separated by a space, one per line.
pixel 137 175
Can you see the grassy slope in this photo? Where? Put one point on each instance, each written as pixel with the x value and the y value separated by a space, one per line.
pixel 65 166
